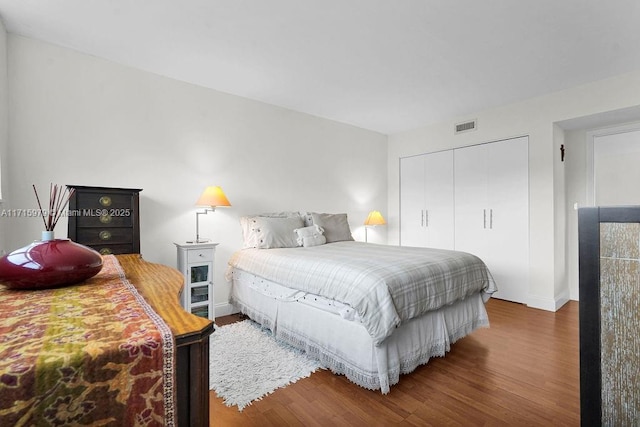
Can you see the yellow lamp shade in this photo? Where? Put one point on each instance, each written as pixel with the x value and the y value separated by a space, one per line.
pixel 374 218
pixel 213 196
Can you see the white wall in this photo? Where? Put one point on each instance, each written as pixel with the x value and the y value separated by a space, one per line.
pixel 561 290
pixel 576 192
pixel 4 130
pixel 534 117
pixel 77 119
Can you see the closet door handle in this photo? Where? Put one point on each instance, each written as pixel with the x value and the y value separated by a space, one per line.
pixel 491 219
pixel 421 217
pixel 484 218
pixel 426 218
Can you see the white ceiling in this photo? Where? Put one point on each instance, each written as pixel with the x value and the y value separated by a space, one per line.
pixel 383 65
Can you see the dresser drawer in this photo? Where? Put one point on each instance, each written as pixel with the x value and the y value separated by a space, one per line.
pixel 104 217
pixel 104 209
pixel 102 200
pixel 199 255
pixel 108 249
pixel 105 236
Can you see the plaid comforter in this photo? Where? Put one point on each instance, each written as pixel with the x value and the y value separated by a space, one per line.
pixel 386 285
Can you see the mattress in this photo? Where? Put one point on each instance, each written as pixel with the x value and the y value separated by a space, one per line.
pixel 386 286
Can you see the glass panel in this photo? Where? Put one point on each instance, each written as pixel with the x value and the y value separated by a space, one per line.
pixel 201 311
pixel 620 322
pixel 199 294
pixel 199 273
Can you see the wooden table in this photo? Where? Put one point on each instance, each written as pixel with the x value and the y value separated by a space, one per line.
pixel 160 286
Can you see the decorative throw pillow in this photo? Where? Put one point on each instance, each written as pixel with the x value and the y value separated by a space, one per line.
pixel 308 219
pixel 310 236
pixel 336 227
pixel 277 232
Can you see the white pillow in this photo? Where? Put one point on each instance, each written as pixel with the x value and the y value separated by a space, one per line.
pixel 310 236
pixel 250 237
pixel 336 227
pixel 276 232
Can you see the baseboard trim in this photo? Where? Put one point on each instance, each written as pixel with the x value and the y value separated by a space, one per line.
pixel 225 309
pixel 548 304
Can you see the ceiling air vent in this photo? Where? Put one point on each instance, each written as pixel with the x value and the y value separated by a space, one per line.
pixel 466 126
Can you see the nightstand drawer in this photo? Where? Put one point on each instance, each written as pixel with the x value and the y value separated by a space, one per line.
pixel 199 255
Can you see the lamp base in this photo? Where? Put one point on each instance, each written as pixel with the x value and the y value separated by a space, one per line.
pixel 199 241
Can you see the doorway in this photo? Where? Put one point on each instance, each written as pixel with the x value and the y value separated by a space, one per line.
pixel 614 166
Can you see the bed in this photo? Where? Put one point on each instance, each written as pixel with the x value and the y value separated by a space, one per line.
pixel 367 311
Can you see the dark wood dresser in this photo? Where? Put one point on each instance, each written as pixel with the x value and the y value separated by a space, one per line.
pixel 105 219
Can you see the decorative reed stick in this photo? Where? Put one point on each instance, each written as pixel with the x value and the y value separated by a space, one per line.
pixel 58 200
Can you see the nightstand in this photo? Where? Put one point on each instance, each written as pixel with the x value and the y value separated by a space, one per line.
pixel 195 262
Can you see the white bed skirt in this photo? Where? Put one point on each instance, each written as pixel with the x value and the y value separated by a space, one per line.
pixel 344 346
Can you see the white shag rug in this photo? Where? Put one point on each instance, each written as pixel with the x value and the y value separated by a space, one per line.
pixel 246 363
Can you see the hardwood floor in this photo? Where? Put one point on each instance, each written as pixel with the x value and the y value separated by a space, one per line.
pixel 523 370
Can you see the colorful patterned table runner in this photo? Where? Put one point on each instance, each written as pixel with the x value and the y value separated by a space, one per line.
pixel 89 354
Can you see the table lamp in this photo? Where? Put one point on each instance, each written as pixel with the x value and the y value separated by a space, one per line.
pixel 212 197
pixel 374 218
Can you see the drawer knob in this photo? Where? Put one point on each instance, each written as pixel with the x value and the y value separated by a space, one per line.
pixel 105 219
pixel 105 251
pixel 105 201
pixel 105 235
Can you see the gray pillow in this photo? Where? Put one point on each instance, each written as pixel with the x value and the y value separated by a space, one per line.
pixel 336 226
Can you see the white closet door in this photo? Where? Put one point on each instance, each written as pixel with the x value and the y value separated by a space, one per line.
pixel 426 200
pixel 438 207
pixel 508 204
pixel 492 211
pixel 470 171
pixel 412 231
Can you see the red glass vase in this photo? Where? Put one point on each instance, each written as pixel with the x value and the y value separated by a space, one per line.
pixel 49 264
